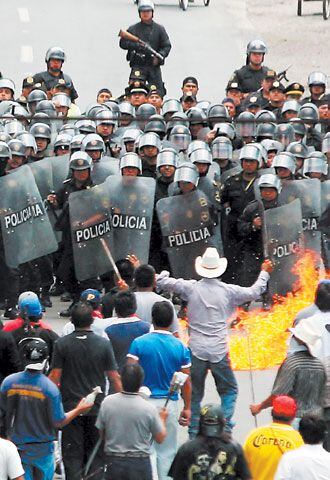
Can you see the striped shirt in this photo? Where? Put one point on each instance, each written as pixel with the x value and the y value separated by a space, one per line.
pixel 302 377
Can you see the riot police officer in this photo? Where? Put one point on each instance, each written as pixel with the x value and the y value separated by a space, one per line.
pixel 317 82
pixel 54 58
pixel 250 76
pixel 149 147
pixel 153 34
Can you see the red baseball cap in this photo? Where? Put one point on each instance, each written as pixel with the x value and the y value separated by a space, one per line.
pixel 284 406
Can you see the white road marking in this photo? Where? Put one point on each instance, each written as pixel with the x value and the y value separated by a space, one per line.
pixel 26 54
pixel 23 14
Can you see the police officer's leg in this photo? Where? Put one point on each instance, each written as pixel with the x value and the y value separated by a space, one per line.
pixel 154 77
pixel 10 288
pixel 198 372
pixel 227 388
pixel 46 275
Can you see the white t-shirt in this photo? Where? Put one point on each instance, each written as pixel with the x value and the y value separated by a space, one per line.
pixel 309 462
pixel 146 300
pixel 10 462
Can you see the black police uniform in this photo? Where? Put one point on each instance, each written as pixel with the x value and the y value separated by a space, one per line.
pixel 139 58
pixel 324 98
pixel 50 81
pixel 249 80
pixel 237 193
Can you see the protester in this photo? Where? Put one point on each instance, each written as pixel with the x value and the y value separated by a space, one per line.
pixel 129 423
pixel 10 462
pixel 9 359
pixel 264 446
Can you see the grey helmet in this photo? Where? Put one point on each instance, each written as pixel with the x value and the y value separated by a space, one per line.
pixel 70 129
pixel 131 135
pixel 250 151
pixel 131 160
pixel 85 126
pixel 284 133
pixel 46 106
pixel 167 156
pixel 195 145
pixel 265 116
pixel 222 149
pixel 196 116
pixel 5 151
pixel 203 105
pixel 265 131
pixel 13 127
pixel 41 130
pixel 55 52
pixel 256 46
pixel 107 117
pixel 62 141
pixel 150 139
pixel 326 143
pixel 7 83
pixel 226 130
pixel 17 147
pixel 145 5
pixel 61 100
pixel 263 152
pixel 317 78
pixel 272 145
pixel 171 105
pixel 28 139
pixel 4 137
pixel 290 106
pixel 40 117
pixel 270 180
pixel 80 161
pixel 178 118
pixel 309 113
pixel 76 142
pixel 316 165
pixel 93 141
pixel 299 150
pixel 285 160
pixel 298 126
pixel 180 137
pixel 127 108
pixel 36 96
pixel 245 125
pixel 145 111
pixel 201 155
pixel 187 172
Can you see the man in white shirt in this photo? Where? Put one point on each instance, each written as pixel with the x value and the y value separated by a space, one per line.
pixel 10 462
pixel 311 461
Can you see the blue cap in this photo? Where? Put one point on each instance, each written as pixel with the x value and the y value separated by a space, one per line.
pixel 91 295
pixel 30 306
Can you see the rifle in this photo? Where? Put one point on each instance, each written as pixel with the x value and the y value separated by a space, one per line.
pixel 132 38
pixel 282 74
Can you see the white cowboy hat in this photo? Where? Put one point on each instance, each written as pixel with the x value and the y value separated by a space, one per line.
pixel 310 334
pixel 210 265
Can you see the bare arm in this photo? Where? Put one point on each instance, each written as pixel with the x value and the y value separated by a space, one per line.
pixel 55 376
pixel 81 408
pixel 115 380
pixel 160 436
pixel 257 407
pixel 185 414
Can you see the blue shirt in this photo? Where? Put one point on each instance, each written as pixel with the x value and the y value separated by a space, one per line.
pixel 160 354
pixel 34 402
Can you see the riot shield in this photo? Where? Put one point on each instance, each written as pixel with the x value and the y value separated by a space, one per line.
pixel 103 169
pixel 230 173
pixel 60 168
pixel 132 202
pixel 43 175
pixel 325 222
pixel 309 193
pixel 187 229
pixel 90 223
pixel 26 231
pixel 282 239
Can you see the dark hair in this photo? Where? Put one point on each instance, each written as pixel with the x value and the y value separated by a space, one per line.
pixel 132 377
pixel 162 314
pixel 82 315
pixel 145 276
pixel 312 429
pixel 281 418
pixel 125 303
pixel 322 296
pixel 126 270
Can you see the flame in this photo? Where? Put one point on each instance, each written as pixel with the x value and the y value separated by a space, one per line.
pixel 259 340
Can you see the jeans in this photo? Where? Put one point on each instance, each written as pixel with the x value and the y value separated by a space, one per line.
pixel 128 468
pixel 42 468
pixel 162 454
pixel 226 385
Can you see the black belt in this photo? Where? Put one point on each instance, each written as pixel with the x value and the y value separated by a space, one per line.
pixel 127 455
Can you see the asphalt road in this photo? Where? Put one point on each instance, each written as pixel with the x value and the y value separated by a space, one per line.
pixel 208 43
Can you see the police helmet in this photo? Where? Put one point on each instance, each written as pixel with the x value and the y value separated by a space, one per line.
pixel 40 117
pixel 145 111
pixel 167 156
pixel 201 155
pixel 178 118
pixel 180 137
pixel 216 113
pixel 41 130
pixel 70 129
pixel 5 151
pixel 309 113
pixel 7 83
pixel 131 135
pixel 62 141
pixel 315 165
pixel 187 172
pixel 150 139
pixel 127 108
pixel 290 106
pixel 196 116
pixel 265 130
pixel 299 150
pixel 271 181
pixel 225 130
pixel 272 145
pixel 317 78
pixel 250 151
pixel 95 108
pixel 326 143
pixel 285 160
pixel 222 149
pixel 46 106
pixel 33 353
pixel 57 53
pixel 256 46
pixel 171 105
pixel 19 111
pixel 245 124
pixel 80 161
pixel 212 421
pixel 145 5
pixel 298 126
pixel 284 133
pixel 61 100
pixel 263 151
pixel 113 106
pixel 156 126
pixel 265 116
pixel 195 145
pixel 93 141
pixel 106 117
pixel 131 160
pixel 319 155
pixel 28 139
pixel 4 137
pixel 36 96
pixel 203 105
pixel 85 126
pixel 13 127
pixel 76 142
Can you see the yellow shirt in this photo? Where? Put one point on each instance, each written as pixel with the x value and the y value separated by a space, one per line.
pixel 265 446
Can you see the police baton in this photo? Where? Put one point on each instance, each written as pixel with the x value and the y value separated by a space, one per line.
pixel 110 257
pixel 177 382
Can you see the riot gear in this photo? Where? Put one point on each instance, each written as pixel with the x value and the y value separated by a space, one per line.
pixel 57 53
pixel 203 105
pixel 226 130
pixel 46 106
pixel 298 126
pixel 36 96
pixel 4 137
pixel 195 145
pixel 150 139
pixel 309 113
pixel 41 130
pixel 196 116
pixel 131 135
pixel 5 151
pixel 222 149
pixel 7 83
pixel 28 140
pixel 62 141
pixel 265 116
pixel 127 108
pixel 145 111
pixel 95 108
pixel 265 131
pixel 80 161
pixel 76 142
pixel 187 172
pixel 290 106
pixel 284 133
pixel 105 117
pixel 212 421
pixel 167 156
pixel 61 100
pixel 145 5
pixel 93 141
pixel 256 46
pixel 269 180
pixel 85 126
pixel 298 149
pixel 285 160
pixel 171 106
pixel 13 127
pixel 317 78
pixel 70 129
pixel 217 113
pixel 201 155
pixel 315 165
pixel 245 125
pixel 156 126
pixel 178 118
pixel 251 152
pixel 40 117
pixel 180 136
pixel 131 160
pixel 326 143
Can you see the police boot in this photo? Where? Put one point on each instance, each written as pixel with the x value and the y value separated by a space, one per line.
pixel 11 313
pixel 67 313
pixel 66 297
pixel 45 298
pixel 57 289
